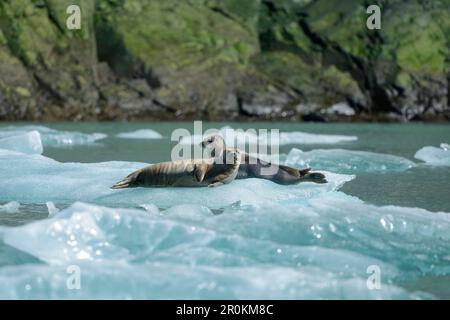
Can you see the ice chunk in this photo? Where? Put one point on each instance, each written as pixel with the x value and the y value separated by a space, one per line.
pixel 191 252
pixel 234 137
pixel 52 209
pixel 29 142
pixel 113 280
pixel 435 156
pixel 338 221
pixel 298 137
pixel 10 207
pixel 41 177
pixel 52 137
pixel 140 134
pixel 347 161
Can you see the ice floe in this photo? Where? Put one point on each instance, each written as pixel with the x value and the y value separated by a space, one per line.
pixel 298 137
pixel 347 161
pixel 232 137
pixel 41 177
pixel 27 142
pixel 140 134
pixel 435 156
pixel 52 137
pixel 236 137
pixel 322 249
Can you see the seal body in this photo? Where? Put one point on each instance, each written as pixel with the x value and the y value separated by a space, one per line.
pixel 185 173
pixel 252 167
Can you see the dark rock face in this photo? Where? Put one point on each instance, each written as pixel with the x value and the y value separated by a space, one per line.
pixel 312 60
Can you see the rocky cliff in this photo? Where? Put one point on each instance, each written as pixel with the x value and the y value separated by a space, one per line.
pixel 224 59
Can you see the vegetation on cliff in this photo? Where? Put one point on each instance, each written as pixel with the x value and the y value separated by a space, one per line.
pixel 213 59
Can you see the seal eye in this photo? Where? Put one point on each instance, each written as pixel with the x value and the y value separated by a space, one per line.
pixel 210 140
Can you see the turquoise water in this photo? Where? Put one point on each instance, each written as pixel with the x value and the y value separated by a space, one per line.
pixel 250 239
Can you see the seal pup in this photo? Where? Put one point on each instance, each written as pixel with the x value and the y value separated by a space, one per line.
pixel 252 167
pixel 222 168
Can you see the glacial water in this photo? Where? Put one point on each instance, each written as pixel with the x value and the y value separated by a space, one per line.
pixel 386 208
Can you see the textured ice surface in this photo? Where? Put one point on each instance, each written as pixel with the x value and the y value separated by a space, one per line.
pixel 52 137
pixel 435 156
pixel 240 137
pixel 140 134
pixel 321 248
pixel 347 161
pixel 27 142
pixel 10 207
pixel 172 281
pixel 42 179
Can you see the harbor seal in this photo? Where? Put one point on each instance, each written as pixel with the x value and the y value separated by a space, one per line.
pixel 222 168
pixel 252 167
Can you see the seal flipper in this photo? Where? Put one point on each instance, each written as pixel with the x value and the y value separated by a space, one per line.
pixel 200 171
pixel 315 177
pixel 128 182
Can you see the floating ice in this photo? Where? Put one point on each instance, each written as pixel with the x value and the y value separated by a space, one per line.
pixel 52 137
pixel 41 177
pixel 347 161
pixel 114 280
pixel 232 137
pixel 435 156
pixel 140 134
pixel 10 207
pixel 298 137
pixel 237 137
pixel 52 209
pixel 321 248
pixel 29 142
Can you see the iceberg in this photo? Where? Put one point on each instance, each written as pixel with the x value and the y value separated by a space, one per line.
pixel 29 142
pixel 140 134
pixel 52 137
pixel 435 156
pixel 42 177
pixel 347 161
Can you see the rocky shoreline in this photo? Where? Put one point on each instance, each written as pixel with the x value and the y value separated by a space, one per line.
pixel 235 60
